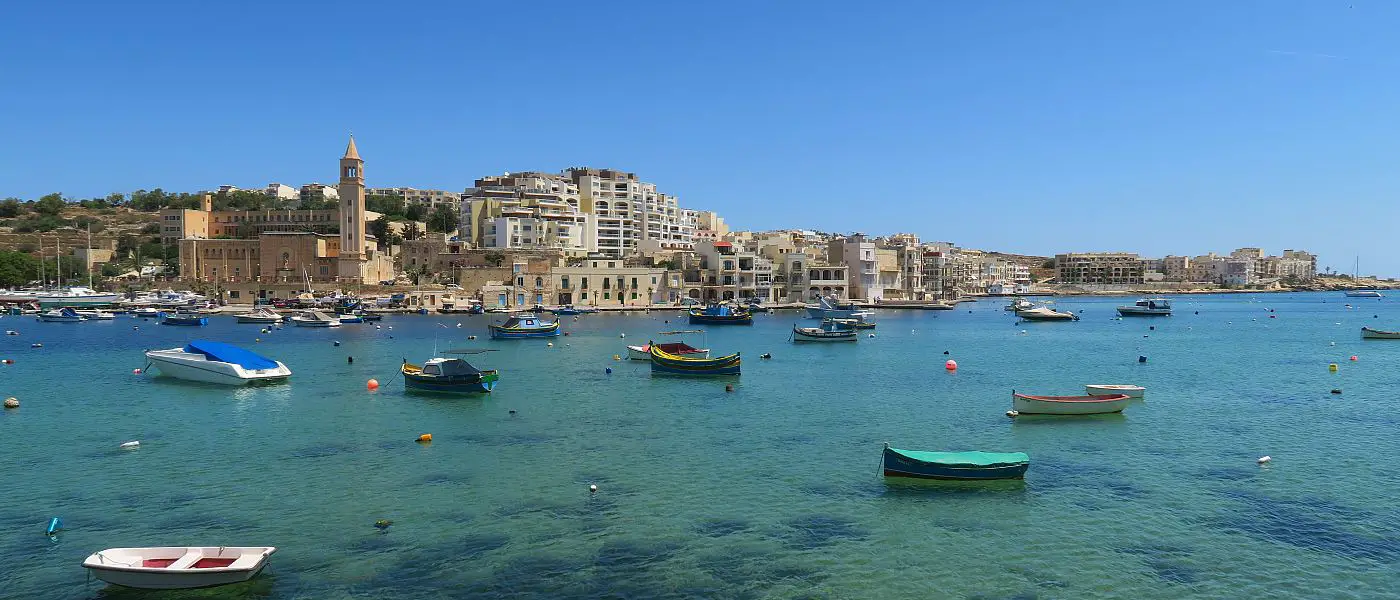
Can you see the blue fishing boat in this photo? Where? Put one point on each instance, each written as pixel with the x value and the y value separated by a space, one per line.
pixel 351 318
pixel 450 375
pixel 184 319
pixel 954 465
pixel 672 364
pixel 525 325
pixel 569 309
pixel 720 314
pixel 367 316
pixel 476 309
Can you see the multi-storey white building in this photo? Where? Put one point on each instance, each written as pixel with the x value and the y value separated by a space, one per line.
pixel 318 191
pixel 629 210
pixel 282 192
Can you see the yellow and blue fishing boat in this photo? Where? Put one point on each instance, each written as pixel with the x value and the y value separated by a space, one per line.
pixel 672 364
pixel 972 465
pixel 720 314
pixel 525 325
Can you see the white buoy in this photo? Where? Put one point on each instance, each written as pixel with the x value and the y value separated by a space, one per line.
pixel 622 335
pixel 872 335
pixel 459 325
pixel 1331 343
pixel 130 445
pixel 592 488
pixel 551 344
pixel 1013 414
pixel 1263 460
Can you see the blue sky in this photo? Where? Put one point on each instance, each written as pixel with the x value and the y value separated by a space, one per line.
pixel 1035 127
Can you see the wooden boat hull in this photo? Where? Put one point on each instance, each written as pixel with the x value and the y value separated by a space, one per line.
pixel 697 319
pixel 816 334
pixel 670 364
pixel 1375 334
pixel 954 466
pixel 503 333
pixel 428 383
pixel 190 569
pixel 644 352
pixel 1068 405
pixel 1131 391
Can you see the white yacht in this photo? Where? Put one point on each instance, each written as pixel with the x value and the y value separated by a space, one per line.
pixel 827 308
pixel 216 362
pixel 1147 307
pixel 77 296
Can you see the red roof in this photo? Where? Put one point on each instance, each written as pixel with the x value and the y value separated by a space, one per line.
pixel 723 245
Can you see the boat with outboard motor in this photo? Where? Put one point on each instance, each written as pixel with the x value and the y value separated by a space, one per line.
pixel 831 330
pixel 61 315
pixel 260 316
pixel 720 314
pixel 216 362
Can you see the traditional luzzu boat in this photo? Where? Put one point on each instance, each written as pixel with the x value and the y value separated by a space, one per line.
pixel 177 568
pixel 1107 389
pixel 1376 334
pixel 831 330
pixel 216 362
pixel 1044 313
pixel 826 308
pixel 682 349
pixel 61 315
pixel 720 314
pixel 450 375
pixel 1025 404
pixel 671 364
pixel 525 325
pixel 1148 307
pixel 972 465
pixel 187 319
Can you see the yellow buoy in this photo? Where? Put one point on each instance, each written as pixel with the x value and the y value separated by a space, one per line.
pixel 1332 367
pixel 427 437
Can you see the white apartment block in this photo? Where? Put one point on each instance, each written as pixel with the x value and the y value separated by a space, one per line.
pixel 629 210
pixel 518 228
pixel 318 191
pixel 858 254
pixel 282 192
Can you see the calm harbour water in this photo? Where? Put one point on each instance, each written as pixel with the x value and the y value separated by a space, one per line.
pixel 770 491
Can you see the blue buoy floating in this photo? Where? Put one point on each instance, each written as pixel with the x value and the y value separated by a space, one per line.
pixel 1142 359
pixel 54 526
pixel 608 370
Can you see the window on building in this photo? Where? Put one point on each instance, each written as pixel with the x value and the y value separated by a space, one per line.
pixel 607 284
pixel 634 282
pixel 607 295
pixel 539 282
pixel 634 295
pixel 653 280
pixel 233 294
pixel 564 282
pixel 611 265
pixel 520 281
pixel 583 295
pixel 584 284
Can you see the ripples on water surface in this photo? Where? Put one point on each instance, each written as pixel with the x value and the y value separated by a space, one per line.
pixel 767 492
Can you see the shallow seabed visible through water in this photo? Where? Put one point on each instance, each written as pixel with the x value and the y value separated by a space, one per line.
pixel 769 491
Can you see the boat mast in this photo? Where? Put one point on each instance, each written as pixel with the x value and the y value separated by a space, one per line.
pixel 43 275
pixel 89 255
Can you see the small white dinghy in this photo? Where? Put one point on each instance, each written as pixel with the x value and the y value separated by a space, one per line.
pixel 178 568
pixel 1105 389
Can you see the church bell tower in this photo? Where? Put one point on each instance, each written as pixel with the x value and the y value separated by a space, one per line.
pixel 352 215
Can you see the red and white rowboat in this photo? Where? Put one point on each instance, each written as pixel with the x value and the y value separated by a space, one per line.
pixel 1068 405
pixel 176 568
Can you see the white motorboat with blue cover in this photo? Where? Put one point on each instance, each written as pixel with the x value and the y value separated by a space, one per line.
pixel 217 362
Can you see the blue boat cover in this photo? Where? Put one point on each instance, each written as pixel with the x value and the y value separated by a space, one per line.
pixel 221 352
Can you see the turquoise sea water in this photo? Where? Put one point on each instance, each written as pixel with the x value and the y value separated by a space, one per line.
pixel 770 491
